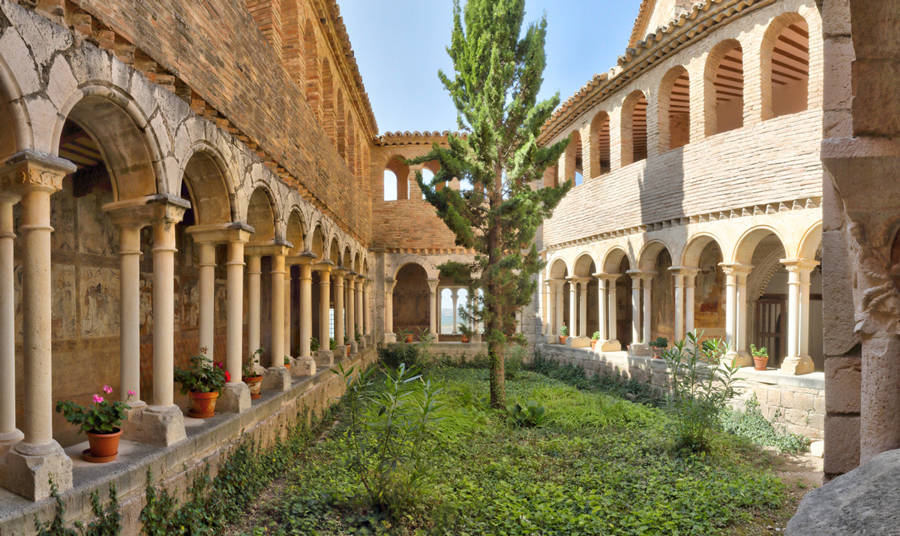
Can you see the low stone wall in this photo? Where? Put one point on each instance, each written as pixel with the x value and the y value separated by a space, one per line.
pixel 209 442
pixel 458 351
pixel 797 402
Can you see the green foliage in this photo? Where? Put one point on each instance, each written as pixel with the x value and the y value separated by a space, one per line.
pixel 498 71
pixel 595 336
pixel 531 414
pixel 759 352
pixel 201 376
pixel 466 331
pixel 388 425
pixel 698 392
pixel 332 344
pixel 629 389
pixel 515 359
pixel 753 425
pixel 400 353
pixel 564 330
pixel 252 367
pixel 660 342
pixel 106 521
pixel 104 416
pixel 314 344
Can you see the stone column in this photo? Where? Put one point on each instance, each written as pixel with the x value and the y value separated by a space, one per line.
pixel 454 297
pixel 339 312
pixel 288 276
pixel 360 308
pixel 636 278
pixel 351 312
pixel 734 312
pixel 606 314
pixel 573 307
pixel 432 307
pixel 611 321
pixel 797 361
pixel 389 335
pixel 545 311
pixel 9 434
pixel 207 285
pixel 324 357
pixel 305 363
pixel 254 272
pixel 558 315
pixel 236 395
pixel 648 312
pixel 689 279
pixel 743 319
pixel 277 377
pixel 582 308
pixel 35 459
pixel 367 299
pixel 679 302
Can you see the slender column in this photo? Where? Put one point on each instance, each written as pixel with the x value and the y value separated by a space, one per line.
pixel 287 311
pixel 546 326
pixel 351 308
pixel 38 457
pixel 359 312
pixel 254 273
pixel 679 303
pixel 743 320
pixel 733 312
pixel 551 307
pixel 648 312
pixel 689 279
pixel 454 297
pixel 305 310
pixel 796 361
pixel 164 310
pixel 277 273
pixel 611 321
pixel 368 307
pixel 130 312
pixel 389 306
pixel 559 317
pixel 339 310
pixel 236 395
pixel 207 273
pixel 602 297
pixel 8 432
pixel 573 308
pixel 324 308
pixel 432 307
pixel 636 307
pixel 582 308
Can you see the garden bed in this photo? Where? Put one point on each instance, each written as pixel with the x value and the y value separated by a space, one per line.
pixel 597 464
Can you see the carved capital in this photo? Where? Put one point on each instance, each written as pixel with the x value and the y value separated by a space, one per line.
pixel 28 169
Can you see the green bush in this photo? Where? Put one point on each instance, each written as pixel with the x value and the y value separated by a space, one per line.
pixel 753 425
pixel 530 415
pixel 394 354
pixel 698 392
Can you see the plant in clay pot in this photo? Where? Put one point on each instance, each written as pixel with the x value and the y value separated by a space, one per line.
pixel 658 347
pixel 287 362
pixel 466 332
pixel 346 346
pixel 252 373
pixel 332 345
pixel 594 338
pixel 405 335
pixel 563 334
pixel 101 421
pixel 203 380
pixel 314 344
pixel 760 357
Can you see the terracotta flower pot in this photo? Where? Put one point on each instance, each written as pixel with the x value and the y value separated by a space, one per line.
pixel 347 348
pixel 464 339
pixel 287 366
pixel 255 385
pixel 563 339
pixel 203 405
pixel 760 362
pixel 104 447
pixel 657 351
pixel 409 338
pixel 593 344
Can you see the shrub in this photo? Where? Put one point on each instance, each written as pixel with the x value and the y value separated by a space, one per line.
pixel 753 425
pixel 515 357
pixel 698 393
pixel 394 354
pixel 530 415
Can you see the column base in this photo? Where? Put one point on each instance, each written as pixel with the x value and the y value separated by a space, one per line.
pixel 8 439
pixel 324 358
pixel 738 359
pixel 354 348
pixel 27 470
pixel 611 345
pixel 156 425
pixel 578 342
pixel 390 337
pixel 338 353
pixel 235 398
pixel 639 349
pixel 304 366
pixel 277 379
pixel 797 365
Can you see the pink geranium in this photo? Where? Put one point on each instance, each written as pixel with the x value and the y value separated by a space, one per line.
pixel 107 389
pixel 98 398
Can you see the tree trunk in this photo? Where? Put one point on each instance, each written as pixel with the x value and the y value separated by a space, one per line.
pixel 494 325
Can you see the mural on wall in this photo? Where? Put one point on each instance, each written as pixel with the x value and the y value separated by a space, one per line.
pixel 709 304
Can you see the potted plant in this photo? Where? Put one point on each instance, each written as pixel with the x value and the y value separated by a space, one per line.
pixel 252 374
pixel 466 333
pixel 331 344
pixel 405 335
pixel 346 345
pixel 760 357
pixel 101 422
pixel 313 344
pixel 563 334
pixel 203 381
pixel 658 347
pixel 287 362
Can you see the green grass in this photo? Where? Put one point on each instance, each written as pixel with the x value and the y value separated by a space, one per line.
pixel 598 464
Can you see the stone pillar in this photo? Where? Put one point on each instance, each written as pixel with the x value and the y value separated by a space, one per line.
pixel 9 434
pixel 236 395
pixel 254 272
pixel 611 321
pixel 339 312
pixel 389 335
pixel 582 308
pixel 35 459
pixel 636 308
pixel 648 312
pixel 360 307
pixel 743 319
pixel 277 377
pixel 288 276
pixel 558 315
pixel 324 357
pixel 454 297
pixel 679 303
pixel 684 300
pixel 573 308
pixel 432 307
pixel 207 286
pixel 797 361
pixel 351 312
pixel 689 279
pixel 606 313
pixel 735 313
pixel 545 311
pixel 551 308
pixel 305 364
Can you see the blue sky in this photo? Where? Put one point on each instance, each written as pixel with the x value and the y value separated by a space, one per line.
pixel 400 45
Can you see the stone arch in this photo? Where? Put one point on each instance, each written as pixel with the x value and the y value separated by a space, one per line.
pixel 558 269
pixel 674 109
pixel 634 127
pixel 656 258
pixel 784 66
pixel 396 166
pixel 328 119
pixel 334 251
pixel 295 232
pixel 317 242
pixel 119 128
pixel 347 258
pixel 648 254
pixel 311 67
pixel 411 296
pixel 600 153
pixel 16 135
pixel 749 240
pixel 810 242
pixel 357 264
pixel 261 215
pixel 704 253
pixel 695 246
pixel 208 186
pixel 617 261
pixel 613 260
pixel 572 161
pixel 723 88
pixel 583 266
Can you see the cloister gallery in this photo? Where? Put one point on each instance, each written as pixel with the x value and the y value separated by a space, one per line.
pixel 162 194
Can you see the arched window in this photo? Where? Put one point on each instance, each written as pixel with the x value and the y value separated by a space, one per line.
pixel 573 164
pixel 724 91
pixel 634 128
pixel 600 144
pixel 390 185
pixel 427 175
pixel 395 184
pixel 311 66
pixel 674 109
pixel 785 66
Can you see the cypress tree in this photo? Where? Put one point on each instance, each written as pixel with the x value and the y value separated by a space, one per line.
pixel 498 74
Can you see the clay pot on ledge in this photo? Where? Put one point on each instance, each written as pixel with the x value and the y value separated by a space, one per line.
pixel 593 344
pixel 563 339
pixel 346 350
pixel 409 338
pixel 203 405
pixel 657 351
pixel 255 385
pixel 760 362
pixel 104 447
pixel 464 339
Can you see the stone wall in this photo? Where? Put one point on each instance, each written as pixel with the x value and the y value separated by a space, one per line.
pixel 796 402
